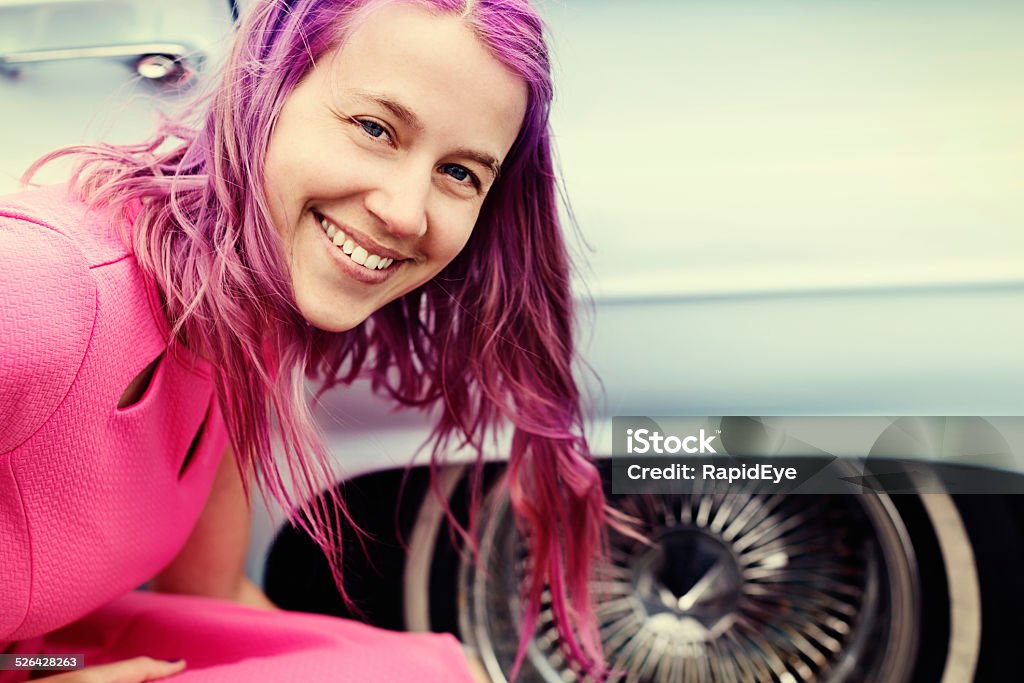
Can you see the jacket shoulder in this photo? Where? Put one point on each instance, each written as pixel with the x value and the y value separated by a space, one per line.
pixel 48 309
pixel 95 231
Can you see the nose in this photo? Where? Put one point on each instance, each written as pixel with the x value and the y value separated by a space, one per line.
pixel 399 201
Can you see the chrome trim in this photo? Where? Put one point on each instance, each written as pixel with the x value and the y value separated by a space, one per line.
pixel 416 579
pixel 95 52
pixel 964 587
pixel 185 56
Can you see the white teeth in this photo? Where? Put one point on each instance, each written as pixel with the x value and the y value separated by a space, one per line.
pixel 348 246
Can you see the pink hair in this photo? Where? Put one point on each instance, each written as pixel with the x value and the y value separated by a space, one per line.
pixel 490 340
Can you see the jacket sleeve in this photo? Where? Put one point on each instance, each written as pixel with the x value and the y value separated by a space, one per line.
pixel 47 313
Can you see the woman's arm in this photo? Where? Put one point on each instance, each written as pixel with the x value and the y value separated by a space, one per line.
pixel 212 562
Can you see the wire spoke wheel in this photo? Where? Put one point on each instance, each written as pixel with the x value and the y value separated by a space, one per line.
pixel 734 588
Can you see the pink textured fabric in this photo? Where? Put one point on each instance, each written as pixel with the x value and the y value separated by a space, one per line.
pixel 96 499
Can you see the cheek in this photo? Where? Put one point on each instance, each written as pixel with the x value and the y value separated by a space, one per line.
pixel 446 241
pixel 452 241
pixel 303 159
pixel 279 190
pixel 292 182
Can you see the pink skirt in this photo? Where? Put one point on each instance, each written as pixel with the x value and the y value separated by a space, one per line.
pixel 228 643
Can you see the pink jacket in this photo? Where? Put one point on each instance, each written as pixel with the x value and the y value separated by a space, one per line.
pixel 94 500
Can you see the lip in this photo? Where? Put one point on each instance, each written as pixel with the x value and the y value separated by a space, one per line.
pixel 350 268
pixel 362 240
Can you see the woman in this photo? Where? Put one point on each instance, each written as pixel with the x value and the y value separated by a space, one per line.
pixel 370 190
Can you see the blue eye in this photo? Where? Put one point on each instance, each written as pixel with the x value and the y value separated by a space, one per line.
pixel 460 173
pixel 373 129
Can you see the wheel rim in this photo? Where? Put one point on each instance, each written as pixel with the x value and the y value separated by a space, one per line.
pixel 743 587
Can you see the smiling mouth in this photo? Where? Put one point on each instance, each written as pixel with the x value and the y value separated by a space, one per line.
pixel 346 245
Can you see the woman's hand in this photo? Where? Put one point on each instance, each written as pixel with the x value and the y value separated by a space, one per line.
pixel 134 670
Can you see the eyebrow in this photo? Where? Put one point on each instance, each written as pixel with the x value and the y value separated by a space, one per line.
pixel 485 160
pixel 394 106
pixel 410 119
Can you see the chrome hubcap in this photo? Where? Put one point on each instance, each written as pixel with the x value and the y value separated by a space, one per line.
pixel 689 584
pixel 737 588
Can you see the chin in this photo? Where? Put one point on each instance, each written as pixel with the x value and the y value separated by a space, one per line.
pixel 330 320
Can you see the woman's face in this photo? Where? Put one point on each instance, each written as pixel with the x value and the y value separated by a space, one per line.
pixel 382 157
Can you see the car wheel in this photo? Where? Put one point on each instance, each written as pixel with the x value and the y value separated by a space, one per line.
pixel 744 587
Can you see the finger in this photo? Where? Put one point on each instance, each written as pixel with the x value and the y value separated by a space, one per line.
pixel 141 669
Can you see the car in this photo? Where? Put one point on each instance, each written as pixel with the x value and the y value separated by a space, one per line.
pixel 798 224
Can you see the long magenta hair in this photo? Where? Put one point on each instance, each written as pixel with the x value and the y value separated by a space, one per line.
pixel 489 341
